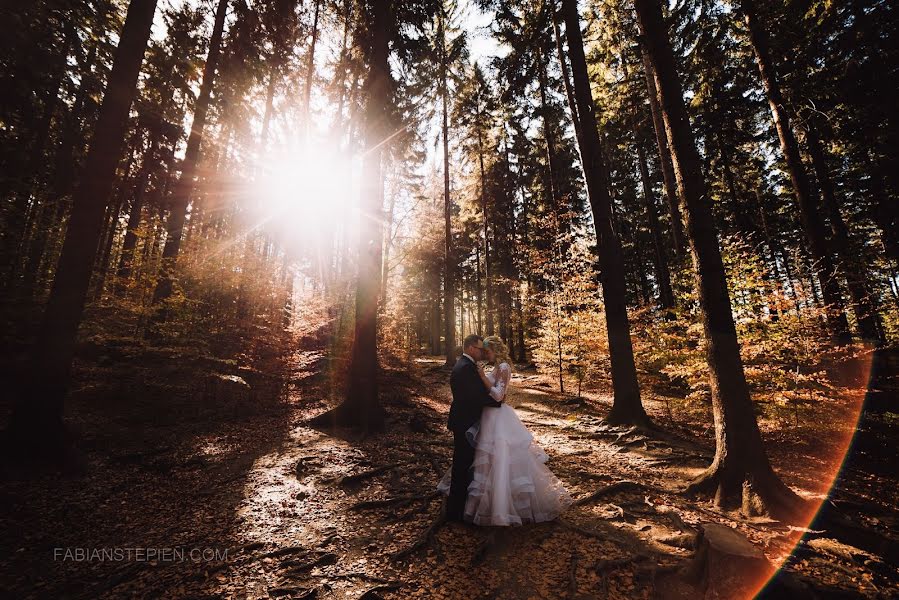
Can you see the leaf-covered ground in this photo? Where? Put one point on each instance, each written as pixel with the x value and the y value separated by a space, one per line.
pixel 216 459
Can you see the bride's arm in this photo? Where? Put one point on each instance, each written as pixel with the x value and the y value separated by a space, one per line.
pixel 498 391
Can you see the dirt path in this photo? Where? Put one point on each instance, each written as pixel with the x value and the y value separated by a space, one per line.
pixel 297 512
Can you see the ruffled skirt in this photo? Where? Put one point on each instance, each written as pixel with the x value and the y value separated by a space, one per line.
pixel 510 485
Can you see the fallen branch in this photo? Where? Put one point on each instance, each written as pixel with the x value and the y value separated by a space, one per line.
pixel 609 489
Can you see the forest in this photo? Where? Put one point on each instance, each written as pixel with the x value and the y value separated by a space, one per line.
pixel 242 242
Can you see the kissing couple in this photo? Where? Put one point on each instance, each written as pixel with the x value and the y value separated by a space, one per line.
pixel 498 475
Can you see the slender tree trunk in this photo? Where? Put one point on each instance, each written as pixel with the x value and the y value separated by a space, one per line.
pixel 671 198
pixel 28 185
pixel 269 104
pixel 123 270
pixel 886 211
pixel 770 257
pixel 361 407
pixel 388 243
pixel 343 65
pixel 112 220
pixel 812 222
pixel 64 169
pixel 853 265
pixel 550 146
pixel 185 186
pixel 740 221
pixel 487 270
pixel 626 407
pixel 740 474
pixel 663 276
pixel 37 417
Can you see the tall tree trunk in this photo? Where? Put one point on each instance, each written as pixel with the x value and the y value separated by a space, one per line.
pixel 449 276
pixel 435 320
pixel 741 223
pixel 740 474
pixel 37 417
pixel 185 186
pixel 812 222
pixel 310 68
pixel 626 407
pixel 361 407
pixel 663 275
pixel 853 265
pixel 487 270
pixel 566 78
pixel 478 289
pixel 671 198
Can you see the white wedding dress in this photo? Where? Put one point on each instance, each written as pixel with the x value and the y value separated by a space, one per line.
pixel 511 485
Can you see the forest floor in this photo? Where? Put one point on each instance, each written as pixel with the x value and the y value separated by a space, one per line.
pixel 213 465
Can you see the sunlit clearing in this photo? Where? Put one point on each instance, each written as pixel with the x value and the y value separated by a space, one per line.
pixel 304 191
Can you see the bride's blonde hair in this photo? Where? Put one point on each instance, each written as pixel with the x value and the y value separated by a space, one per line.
pixel 496 343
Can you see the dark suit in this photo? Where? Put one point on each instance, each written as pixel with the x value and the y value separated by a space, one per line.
pixel 469 398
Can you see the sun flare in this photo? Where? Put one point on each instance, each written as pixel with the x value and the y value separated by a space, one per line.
pixel 305 191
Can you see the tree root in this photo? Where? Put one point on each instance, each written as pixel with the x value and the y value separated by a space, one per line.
pixel 606 565
pixel 348 414
pixel 298 567
pixel 283 552
pixel 757 494
pixel 399 501
pixel 606 536
pixel 572 576
pixel 358 477
pixel 372 594
pixel 609 489
pixel 423 539
pixel 365 576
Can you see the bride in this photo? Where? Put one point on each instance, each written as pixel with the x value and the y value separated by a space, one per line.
pixel 510 484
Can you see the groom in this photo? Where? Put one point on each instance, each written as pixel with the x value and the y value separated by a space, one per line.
pixel 469 398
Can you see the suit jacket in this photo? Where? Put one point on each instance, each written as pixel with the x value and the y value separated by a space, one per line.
pixel 469 396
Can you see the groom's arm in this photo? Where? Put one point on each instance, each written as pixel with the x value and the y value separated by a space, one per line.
pixel 478 391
